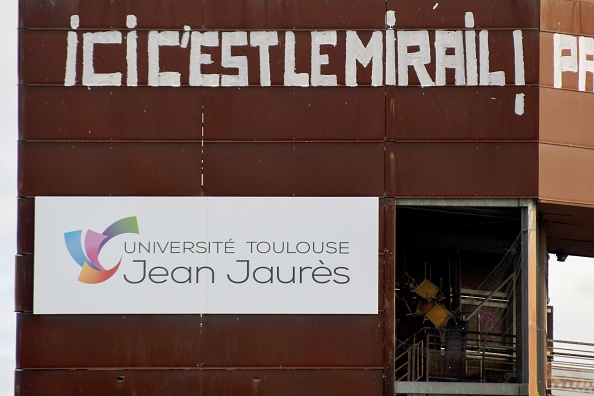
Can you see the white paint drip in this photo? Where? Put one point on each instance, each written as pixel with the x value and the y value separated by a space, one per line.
pixel 519 107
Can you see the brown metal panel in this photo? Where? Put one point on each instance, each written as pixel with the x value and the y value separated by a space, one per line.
pixel 87 169
pixel 565 174
pixel 262 382
pixel 462 169
pixel 23 286
pixel 83 341
pixel 288 14
pixel 569 228
pixel 563 16
pixel 286 114
pixel 25 225
pixel 461 113
pixel 102 14
pixel 293 341
pixel 300 169
pixel 110 113
pixel 187 341
pixel 449 14
pixel 42 57
pixel 566 117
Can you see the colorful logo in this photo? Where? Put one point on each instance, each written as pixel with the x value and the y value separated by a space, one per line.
pixel 92 271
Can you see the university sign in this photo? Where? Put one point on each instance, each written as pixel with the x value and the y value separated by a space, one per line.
pixel 206 255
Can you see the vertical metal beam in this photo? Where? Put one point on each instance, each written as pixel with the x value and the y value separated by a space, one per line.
pixel 528 353
pixel 389 213
pixel 542 294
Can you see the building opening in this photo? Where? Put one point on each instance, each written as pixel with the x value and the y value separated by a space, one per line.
pixel 458 289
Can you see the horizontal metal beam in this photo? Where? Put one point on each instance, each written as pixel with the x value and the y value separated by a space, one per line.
pixel 478 202
pixel 460 388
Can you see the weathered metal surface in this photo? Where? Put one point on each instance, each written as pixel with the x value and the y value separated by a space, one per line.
pixel 300 169
pixel 25 225
pixel 287 14
pixel 292 341
pixel 191 341
pixel 566 117
pixel 449 14
pixel 572 182
pixel 449 114
pixel 23 285
pixel 109 169
pixel 462 169
pixel 257 382
pixel 573 17
pixel 108 113
pixel 289 114
pixel 450 141
pixel 107 14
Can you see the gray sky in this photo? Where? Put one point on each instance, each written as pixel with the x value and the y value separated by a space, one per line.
pixel 571 283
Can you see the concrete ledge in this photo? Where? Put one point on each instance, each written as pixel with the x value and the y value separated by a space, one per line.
pixel 460 388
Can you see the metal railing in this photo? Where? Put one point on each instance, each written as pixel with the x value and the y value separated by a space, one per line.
pixel 457 355
pixel 570 367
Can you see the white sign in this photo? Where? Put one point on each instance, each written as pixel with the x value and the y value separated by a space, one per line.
pixel 168 255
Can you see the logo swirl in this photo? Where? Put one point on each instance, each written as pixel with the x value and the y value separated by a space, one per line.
pixel 92 271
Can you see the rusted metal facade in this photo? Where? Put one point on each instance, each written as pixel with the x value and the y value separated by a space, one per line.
pixel 384 141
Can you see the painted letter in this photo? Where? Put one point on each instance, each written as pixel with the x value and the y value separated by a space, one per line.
pixel 471 61
pixel 157 78
pixel 293 79
pixel 586 45
pixel 197 59
pixel 418 59
pixel 90 78
pixel 390 48
pixel 71 52
pixel 357 52
pixel 228 40
pixel 487 77
pixel 264 40
pixel 563 63
pixel 317 59
pixel 131 52
pixel 519 58
pixel 445 39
